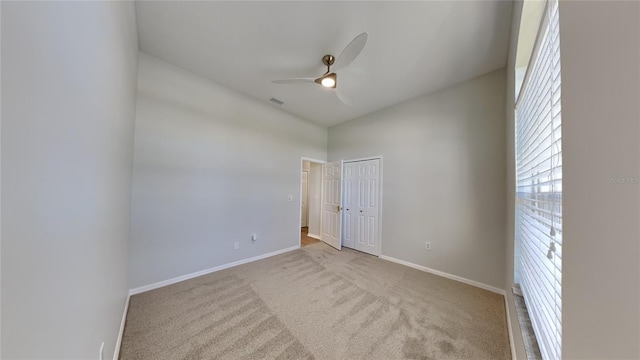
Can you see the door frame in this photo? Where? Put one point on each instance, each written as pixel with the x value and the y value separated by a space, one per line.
pixel 380 201
pixel 302 160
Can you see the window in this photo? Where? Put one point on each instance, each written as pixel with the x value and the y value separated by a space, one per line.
pixel 538 217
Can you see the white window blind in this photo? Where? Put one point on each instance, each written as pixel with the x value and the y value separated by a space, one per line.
pixel 538 228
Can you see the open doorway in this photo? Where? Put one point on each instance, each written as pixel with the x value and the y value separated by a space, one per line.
pixel 310 201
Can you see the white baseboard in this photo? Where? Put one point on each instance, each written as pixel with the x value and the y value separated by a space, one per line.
pixel 444 274
pixel 178 279
pixel 314 236
pixel 509 328
pixel 116 352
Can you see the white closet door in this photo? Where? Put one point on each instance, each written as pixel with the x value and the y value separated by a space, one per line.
pixel 362 192
pixel 350 169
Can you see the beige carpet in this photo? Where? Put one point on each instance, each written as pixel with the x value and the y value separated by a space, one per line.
pixel 317 303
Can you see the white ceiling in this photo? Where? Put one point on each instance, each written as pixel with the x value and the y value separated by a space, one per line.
pixel 414 47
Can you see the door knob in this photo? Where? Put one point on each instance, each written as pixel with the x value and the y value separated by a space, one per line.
pixel 360 210
pixel 338 208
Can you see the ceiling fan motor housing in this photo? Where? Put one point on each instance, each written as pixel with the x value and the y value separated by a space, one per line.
pixel 328 60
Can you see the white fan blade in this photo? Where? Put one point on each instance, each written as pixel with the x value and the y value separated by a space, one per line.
pixel 350 52
pixel 343 97
pixel 294 81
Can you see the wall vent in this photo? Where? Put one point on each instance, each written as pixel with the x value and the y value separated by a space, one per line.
pixel 276 101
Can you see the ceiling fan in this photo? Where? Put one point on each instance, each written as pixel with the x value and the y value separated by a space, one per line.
pixel 330 79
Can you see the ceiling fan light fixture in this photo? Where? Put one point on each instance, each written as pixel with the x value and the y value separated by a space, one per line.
pixel 329 81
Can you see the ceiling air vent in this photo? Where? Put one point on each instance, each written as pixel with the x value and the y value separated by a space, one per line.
pixel 276 101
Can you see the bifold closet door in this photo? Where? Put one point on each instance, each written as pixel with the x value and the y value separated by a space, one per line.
pixel 361 208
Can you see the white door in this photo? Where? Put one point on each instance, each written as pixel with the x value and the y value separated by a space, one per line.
pixel 361 216
pixel 305 198
pixel 350 171
pixel 332 203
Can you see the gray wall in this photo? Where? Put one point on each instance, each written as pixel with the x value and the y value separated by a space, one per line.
pixel 68 105
pixel 443 173
pixel 600 54
pixel 211 167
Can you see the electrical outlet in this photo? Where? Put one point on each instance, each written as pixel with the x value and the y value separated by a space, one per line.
pixel 236 245
pixel 427 246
